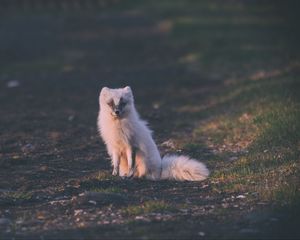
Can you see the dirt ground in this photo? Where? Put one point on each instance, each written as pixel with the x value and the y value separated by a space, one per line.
pixel 55 174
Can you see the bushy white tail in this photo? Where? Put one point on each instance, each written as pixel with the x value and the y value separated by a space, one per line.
pixel 183 168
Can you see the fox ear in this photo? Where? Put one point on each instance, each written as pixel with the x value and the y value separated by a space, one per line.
pixel 104 91
pixel 128 92
pixel 127 89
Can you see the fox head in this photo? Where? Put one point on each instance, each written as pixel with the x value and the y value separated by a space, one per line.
pixel 117 102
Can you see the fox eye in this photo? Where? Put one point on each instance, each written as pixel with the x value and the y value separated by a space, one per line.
pixel 111 103
pixel 122 102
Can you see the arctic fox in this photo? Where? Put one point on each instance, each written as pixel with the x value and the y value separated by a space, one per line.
pixel 130 144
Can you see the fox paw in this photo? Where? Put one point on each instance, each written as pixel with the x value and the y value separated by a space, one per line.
pixel 130 174
pixel 115 172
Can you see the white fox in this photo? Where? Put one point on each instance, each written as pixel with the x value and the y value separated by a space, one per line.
pixel 130 144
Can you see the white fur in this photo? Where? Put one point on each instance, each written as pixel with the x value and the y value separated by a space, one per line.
pixel 127 134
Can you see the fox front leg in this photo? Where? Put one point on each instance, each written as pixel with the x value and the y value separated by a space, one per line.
pixel 115 163
pixel 131 154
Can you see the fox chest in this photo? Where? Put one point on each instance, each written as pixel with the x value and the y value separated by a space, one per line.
pixel 121 135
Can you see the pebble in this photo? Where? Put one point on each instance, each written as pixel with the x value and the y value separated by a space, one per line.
pixel 169 143
pixel 241 196
pixel 77 211
pixel 13 84
pixel 233 159
pixel 93 202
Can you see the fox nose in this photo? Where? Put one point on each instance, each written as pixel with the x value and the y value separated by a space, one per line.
pixel 117 112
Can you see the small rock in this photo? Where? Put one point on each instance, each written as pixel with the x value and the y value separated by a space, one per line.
pixel 202 234
pixel 28 148
pixel 13 84
pixel 43 168
pixel 77 211
pixel 184 210
pixel 71 118
pixel 169 143
pixel 93 202
pixel 241 196
pixel 156 105
pixel 233 159
pixel 225 205
pixel 41 216
pixel 244 151
pixel 245 117
pixel 20 221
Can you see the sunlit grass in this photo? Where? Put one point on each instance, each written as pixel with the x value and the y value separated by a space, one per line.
pixel 256 142
pixel 271 161
pixel 103 175
pixel 251 123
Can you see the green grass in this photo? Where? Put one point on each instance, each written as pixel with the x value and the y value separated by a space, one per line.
pixel 264 132
pixel 272 157
pixel 251 121
pixel 104 175
pixel 17 196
